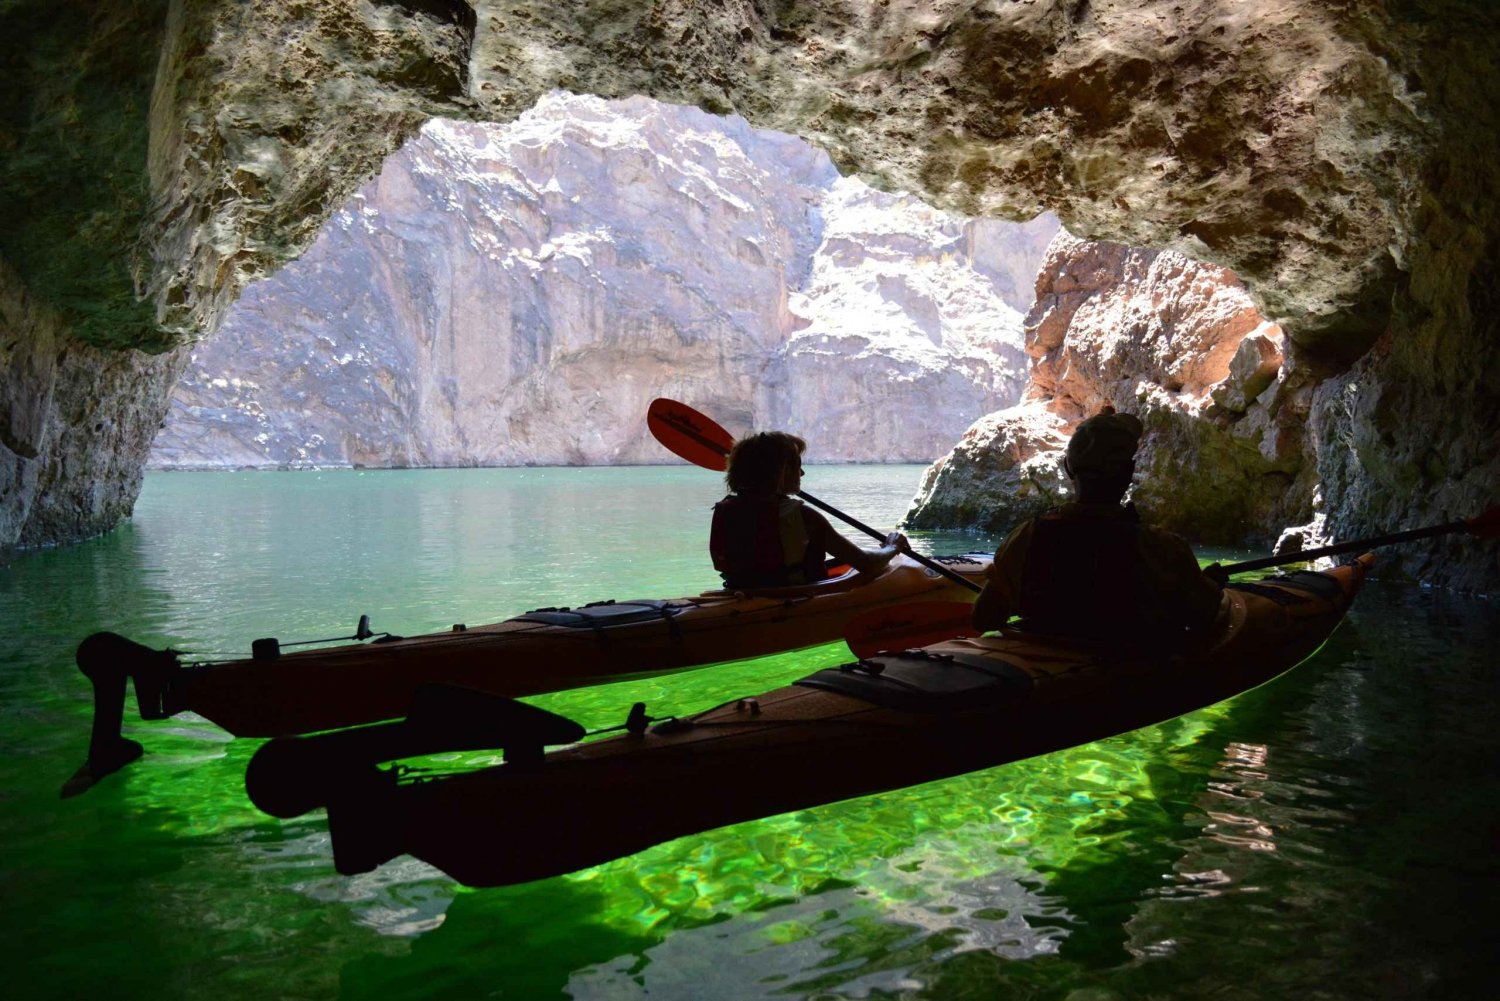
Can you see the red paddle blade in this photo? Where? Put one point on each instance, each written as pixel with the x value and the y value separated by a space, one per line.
pixel 902 627
pixel 687 433
pixel 1487 525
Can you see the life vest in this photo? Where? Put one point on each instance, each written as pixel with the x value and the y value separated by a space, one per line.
pixel 766 542
pixel 1083 577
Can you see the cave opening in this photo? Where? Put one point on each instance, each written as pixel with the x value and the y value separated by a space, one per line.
pixel 516 294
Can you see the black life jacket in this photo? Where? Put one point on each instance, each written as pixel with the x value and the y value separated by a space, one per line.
pixel 766 542
pixel 1083 578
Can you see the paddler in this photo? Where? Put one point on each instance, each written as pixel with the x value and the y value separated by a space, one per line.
pixel 764 536
pixel 1090 568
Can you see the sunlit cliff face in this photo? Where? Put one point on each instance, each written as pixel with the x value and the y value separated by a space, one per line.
pixel 518 294
pixel 1340 159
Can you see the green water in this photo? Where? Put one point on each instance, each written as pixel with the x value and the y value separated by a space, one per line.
pixel 1330 835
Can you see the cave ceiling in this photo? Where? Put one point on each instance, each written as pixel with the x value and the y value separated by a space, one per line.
pixel 1289 141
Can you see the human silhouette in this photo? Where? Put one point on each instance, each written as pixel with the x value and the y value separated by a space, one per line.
pixel 764 536
pixel 1090 569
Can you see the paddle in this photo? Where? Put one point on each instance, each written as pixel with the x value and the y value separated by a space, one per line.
pixel 1485 526
pixel 700 440
pixel 903 627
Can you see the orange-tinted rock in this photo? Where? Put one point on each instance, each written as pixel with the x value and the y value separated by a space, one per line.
pixel 1154 334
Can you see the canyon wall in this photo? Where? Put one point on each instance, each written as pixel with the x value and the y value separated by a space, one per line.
pixel 1339 158
pixel 518 294
pixel 1227 453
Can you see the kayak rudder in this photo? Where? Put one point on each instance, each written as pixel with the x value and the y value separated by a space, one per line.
pixel 289 776
pixel 107 660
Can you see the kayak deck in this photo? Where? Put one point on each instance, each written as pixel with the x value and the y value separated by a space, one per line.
pixel 889 721
pixel 544 650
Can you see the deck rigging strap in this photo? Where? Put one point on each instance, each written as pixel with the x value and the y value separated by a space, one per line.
pixel 916 681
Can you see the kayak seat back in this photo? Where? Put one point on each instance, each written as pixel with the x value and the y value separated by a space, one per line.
pixel 599 614
pixel 916 681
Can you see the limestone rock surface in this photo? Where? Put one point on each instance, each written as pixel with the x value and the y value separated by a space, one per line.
pixel 75 421
pixel 518 294
pixel 1340 158
pixel 1164 337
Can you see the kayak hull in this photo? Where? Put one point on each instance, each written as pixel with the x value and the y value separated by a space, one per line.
pixel 977 703
pixel 542 651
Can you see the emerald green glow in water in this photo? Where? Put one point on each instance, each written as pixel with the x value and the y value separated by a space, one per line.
pixel 1328 835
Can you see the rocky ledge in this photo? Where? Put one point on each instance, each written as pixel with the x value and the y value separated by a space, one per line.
pixel 1176 342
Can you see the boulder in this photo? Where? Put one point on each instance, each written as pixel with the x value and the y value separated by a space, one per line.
pixel 1155 334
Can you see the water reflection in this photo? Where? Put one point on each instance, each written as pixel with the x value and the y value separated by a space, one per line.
pixel 1329 835
pixel 852 940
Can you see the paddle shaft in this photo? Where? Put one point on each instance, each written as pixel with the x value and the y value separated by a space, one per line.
pixel 1358 545
pixel 677 423
pixel 952 575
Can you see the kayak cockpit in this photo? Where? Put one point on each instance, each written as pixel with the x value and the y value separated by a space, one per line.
pixel 601 614
pixel 840 578
pixel 926 681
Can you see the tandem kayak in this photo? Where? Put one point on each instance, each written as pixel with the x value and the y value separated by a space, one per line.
pixel 274 693
pixel 882 723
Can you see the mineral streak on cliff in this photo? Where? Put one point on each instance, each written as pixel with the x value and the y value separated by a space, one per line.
pixel 518 294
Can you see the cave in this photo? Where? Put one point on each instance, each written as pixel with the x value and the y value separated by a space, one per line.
pixel 163 158
pixel 1337 159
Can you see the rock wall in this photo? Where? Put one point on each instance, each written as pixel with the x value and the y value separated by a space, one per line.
pixel 902 328
pixel 75 421
pixel 1174 341
pixel 1339 157
pixel 158 155
pixel 518 294
pixel 74 188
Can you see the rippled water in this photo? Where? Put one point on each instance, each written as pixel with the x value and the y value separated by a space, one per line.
pixel 1330 835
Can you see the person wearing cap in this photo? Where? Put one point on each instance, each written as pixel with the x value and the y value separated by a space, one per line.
pixel 764 536
pixel 1089 568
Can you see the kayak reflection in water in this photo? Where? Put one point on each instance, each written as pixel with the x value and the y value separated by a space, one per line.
pixel 763 536
pixel 1089 568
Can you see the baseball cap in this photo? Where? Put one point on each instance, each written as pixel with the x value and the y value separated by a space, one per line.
pixel 1105 443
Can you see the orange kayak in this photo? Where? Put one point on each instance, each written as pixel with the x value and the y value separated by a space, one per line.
pixel 545 650
pixel 882 723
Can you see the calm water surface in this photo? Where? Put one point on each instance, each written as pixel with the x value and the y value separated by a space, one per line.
pixel 1331 835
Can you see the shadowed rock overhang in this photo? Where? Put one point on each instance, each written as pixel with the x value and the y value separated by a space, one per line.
pixel 1340 158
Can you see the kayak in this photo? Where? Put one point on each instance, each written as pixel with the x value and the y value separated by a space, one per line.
pixel 545 650
pixel 884 722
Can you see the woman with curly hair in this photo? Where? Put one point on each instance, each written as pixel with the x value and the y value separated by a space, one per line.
pixel 764 536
